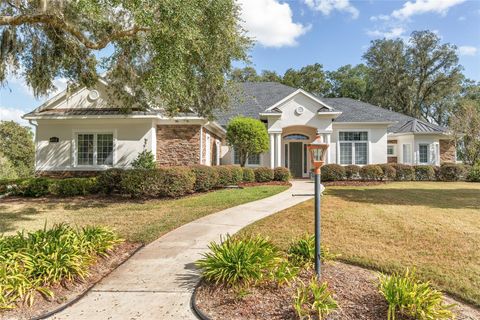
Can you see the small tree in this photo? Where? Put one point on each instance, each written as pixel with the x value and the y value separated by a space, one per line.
pixel 465 124
pixel 247 136
pixel 145 159
pixel 16 144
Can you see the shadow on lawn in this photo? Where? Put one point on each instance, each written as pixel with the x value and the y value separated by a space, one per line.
pixel 448 199
pixel 8 218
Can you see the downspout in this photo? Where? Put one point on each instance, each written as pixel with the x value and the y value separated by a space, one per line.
pixel 35 125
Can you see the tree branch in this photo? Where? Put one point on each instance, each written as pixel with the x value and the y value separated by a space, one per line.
pixel 56 22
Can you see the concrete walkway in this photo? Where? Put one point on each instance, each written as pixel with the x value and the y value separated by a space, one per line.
pixel 157 282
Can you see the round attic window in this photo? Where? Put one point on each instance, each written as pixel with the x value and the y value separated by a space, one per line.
pixel 93 95
pixel 300 110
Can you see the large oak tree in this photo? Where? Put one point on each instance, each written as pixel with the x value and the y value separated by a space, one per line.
pixel 156 53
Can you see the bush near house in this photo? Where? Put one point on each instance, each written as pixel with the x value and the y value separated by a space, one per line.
pixel 281 174
pixel 424 173
pixel 73 187
pixel 404 172
pixel 248 175
pixel 263 174
pixel 224 176
pixel 474 173
pixel 109 181
pixel 389 172
pixel 237 174
pixel 451 172
pixel 333 172
pixel 352 171
pixel 371 172
pixel 206 178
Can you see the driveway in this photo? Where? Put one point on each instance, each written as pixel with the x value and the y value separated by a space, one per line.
pixel 158 281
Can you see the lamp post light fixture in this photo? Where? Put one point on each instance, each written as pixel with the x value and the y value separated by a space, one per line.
pixel 318 153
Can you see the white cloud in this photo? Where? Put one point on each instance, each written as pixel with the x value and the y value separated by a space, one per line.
pixel 467 50
pixel 327 6
pixel 381 17
pixel 270 22
pixel 391 34
pixel 411 8
pixel 9 114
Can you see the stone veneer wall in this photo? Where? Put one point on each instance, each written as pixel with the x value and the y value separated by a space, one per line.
pixel 178 145
pixel 447 151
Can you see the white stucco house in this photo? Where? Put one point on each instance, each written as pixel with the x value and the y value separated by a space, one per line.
pixel 82 132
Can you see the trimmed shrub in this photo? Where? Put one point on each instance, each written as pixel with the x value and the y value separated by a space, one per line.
pixel 13 186
pixel 352 171
pixel 333 172
pixel 451 172
pixel 237 174
pixel 109 181
pixel 281 174
pixel 73 187
pixel 161 182
pixel 424 173
pixel 389 172
pixel 371 172
pixel 224 176
pixel 404 172
pixel 35 187
pixel 206 177
pixel 474 173
pixel 248 175
pixel 263 174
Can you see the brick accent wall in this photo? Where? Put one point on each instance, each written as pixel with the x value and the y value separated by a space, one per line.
pixel 447 151
pixel 392 141
pixel 178 145
pixel 392 159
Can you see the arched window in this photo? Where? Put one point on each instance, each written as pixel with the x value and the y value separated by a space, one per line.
pixel 296 136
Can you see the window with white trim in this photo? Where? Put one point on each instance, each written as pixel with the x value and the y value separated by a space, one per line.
pixel 253 159
pixel 423 150
pixel 407 153
pixel 353 147
pixel 391 150
pixel 94 149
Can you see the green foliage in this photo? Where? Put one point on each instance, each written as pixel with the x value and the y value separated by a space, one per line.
pixel 281 174
pixel 239 262
pixel 311 78
pixel 248 175
pixel 263 174
pixel 409 297
pixel 144 160
pixel 302 251
pixel 313 299
pixel 332 172
pixel 283 272
pixel 474 173
pixel 247 136
pixel 206 178
pixel 16 144
pixel 349 82
pixel 352 171
pixel 7 170
pixel 224 176
pixel 389 172
pixel 108 181
pixel 371 172
pixel 73 187
pixel 465 124
pixel 404 172
pixel 169 54
pixel 36 187
pixel 32 262
pixel 237 174
pixel 451 172
pixel 424 173
pixel 161 182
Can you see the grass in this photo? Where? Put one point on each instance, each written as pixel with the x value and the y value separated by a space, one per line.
pixel 431 226
pixel 134 221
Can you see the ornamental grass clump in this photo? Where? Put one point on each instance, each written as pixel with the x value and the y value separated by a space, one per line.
pixel 410 297
pixel 32 262
pixel 239 261
pixel 313 299
pixel 302 251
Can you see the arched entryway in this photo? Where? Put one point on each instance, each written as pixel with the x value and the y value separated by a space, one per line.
pixel 294 144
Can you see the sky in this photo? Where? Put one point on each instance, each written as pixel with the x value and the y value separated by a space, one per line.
pixel 295 33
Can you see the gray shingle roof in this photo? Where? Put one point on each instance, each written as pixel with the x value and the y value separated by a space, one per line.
pixel 419 126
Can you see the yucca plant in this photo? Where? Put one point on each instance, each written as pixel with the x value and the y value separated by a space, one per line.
pixel 238 261
pixel 408 296
pixel 314 298
pixel 302 251
pixel 31 262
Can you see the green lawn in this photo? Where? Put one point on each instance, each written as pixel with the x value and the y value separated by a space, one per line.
pixel 431 226
pixel 135 221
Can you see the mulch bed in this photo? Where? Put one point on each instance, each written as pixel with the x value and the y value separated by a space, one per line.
pixel 68 292
pixel 270 183
pixel 353 287
pixel 353 183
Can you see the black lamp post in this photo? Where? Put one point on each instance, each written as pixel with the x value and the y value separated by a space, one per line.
pixel 318 152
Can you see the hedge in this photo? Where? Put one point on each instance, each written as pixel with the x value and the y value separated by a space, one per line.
pixel 109 181
pixel 424 173
pixel 332 172
pixel 206 178
pixel 371 172
pixel 451 172
pixel 389 172
pixel 248 175
pixel 263 174
pixel 404 172
pixel 281 174
pixel 73 187
pixel 474 173
pixel 352 171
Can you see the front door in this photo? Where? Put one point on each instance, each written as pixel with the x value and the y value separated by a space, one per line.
pixel 295 160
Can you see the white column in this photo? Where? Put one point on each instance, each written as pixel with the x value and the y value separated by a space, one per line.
pixel 329 152
pixel 278 147
pixel 272 150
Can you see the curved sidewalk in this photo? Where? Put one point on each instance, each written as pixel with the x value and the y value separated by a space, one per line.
pixel 157 282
